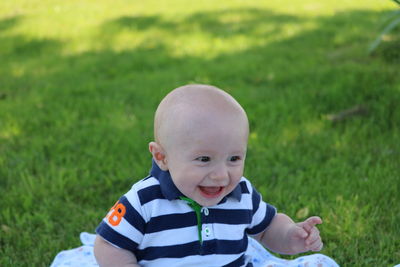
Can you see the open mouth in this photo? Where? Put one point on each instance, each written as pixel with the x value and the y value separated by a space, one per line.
pixel 211 191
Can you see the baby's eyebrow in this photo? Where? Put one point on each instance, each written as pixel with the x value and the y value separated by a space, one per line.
pixel 239 152
pixel 207 152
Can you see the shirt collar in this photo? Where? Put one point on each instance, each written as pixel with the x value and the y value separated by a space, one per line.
pixel 170 191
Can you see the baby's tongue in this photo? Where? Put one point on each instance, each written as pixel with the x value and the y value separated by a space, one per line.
pixel 210 189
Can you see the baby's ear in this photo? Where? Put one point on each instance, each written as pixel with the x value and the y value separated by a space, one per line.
pixel 158 155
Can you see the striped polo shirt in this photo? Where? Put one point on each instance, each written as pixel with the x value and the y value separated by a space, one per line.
pixel 151 221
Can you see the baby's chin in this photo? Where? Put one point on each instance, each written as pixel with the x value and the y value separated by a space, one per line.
pixel 208 203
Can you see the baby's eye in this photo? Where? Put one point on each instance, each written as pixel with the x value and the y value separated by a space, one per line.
pixel 203 159
pixel 234 158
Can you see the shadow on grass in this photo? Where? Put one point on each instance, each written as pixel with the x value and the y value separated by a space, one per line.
pixel 17 46
pixel 97 107
pixel 9 22
pixel 222 24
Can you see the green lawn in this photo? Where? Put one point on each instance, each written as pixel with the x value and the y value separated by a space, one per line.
pixel 80 80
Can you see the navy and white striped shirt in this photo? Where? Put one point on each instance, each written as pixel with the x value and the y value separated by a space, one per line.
pixel 161 229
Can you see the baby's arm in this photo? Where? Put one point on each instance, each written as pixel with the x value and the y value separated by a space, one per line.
pixel 108 255
pixel 287 237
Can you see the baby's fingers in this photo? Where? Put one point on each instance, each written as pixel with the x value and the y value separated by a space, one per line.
pixel 311 222
pixel 313 241
pixel 314 235
pixel 317 246
pixel 300 233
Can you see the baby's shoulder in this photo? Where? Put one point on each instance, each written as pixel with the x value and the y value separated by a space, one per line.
pixel 142 196
pixel 246 185
pixel 144 183
pixel 144 189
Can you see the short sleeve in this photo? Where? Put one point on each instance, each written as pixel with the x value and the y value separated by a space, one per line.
pixel 262 214
pixel 124 225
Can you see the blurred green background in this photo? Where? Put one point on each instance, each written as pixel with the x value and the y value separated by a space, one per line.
pixel 80 81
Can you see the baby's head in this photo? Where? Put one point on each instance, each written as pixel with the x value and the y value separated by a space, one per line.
pixel 201 139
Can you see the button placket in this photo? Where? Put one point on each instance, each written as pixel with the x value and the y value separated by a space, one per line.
pixel 205 211
pixel 207 228
pixel 207 231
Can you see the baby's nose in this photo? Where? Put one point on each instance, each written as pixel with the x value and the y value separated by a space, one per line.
pixel 220 172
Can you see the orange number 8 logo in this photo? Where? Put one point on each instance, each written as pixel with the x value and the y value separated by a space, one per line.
pixel 118 211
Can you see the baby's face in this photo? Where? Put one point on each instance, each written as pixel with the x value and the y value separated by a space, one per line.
pixel 206 162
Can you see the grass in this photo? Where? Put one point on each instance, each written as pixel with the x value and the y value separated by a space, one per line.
pixel 80 80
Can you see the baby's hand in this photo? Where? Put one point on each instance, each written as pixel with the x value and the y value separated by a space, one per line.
pixel 304 236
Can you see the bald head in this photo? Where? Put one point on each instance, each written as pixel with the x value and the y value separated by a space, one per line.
pixel 192 106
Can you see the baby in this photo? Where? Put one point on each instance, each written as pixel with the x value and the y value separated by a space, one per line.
pixel 196 208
